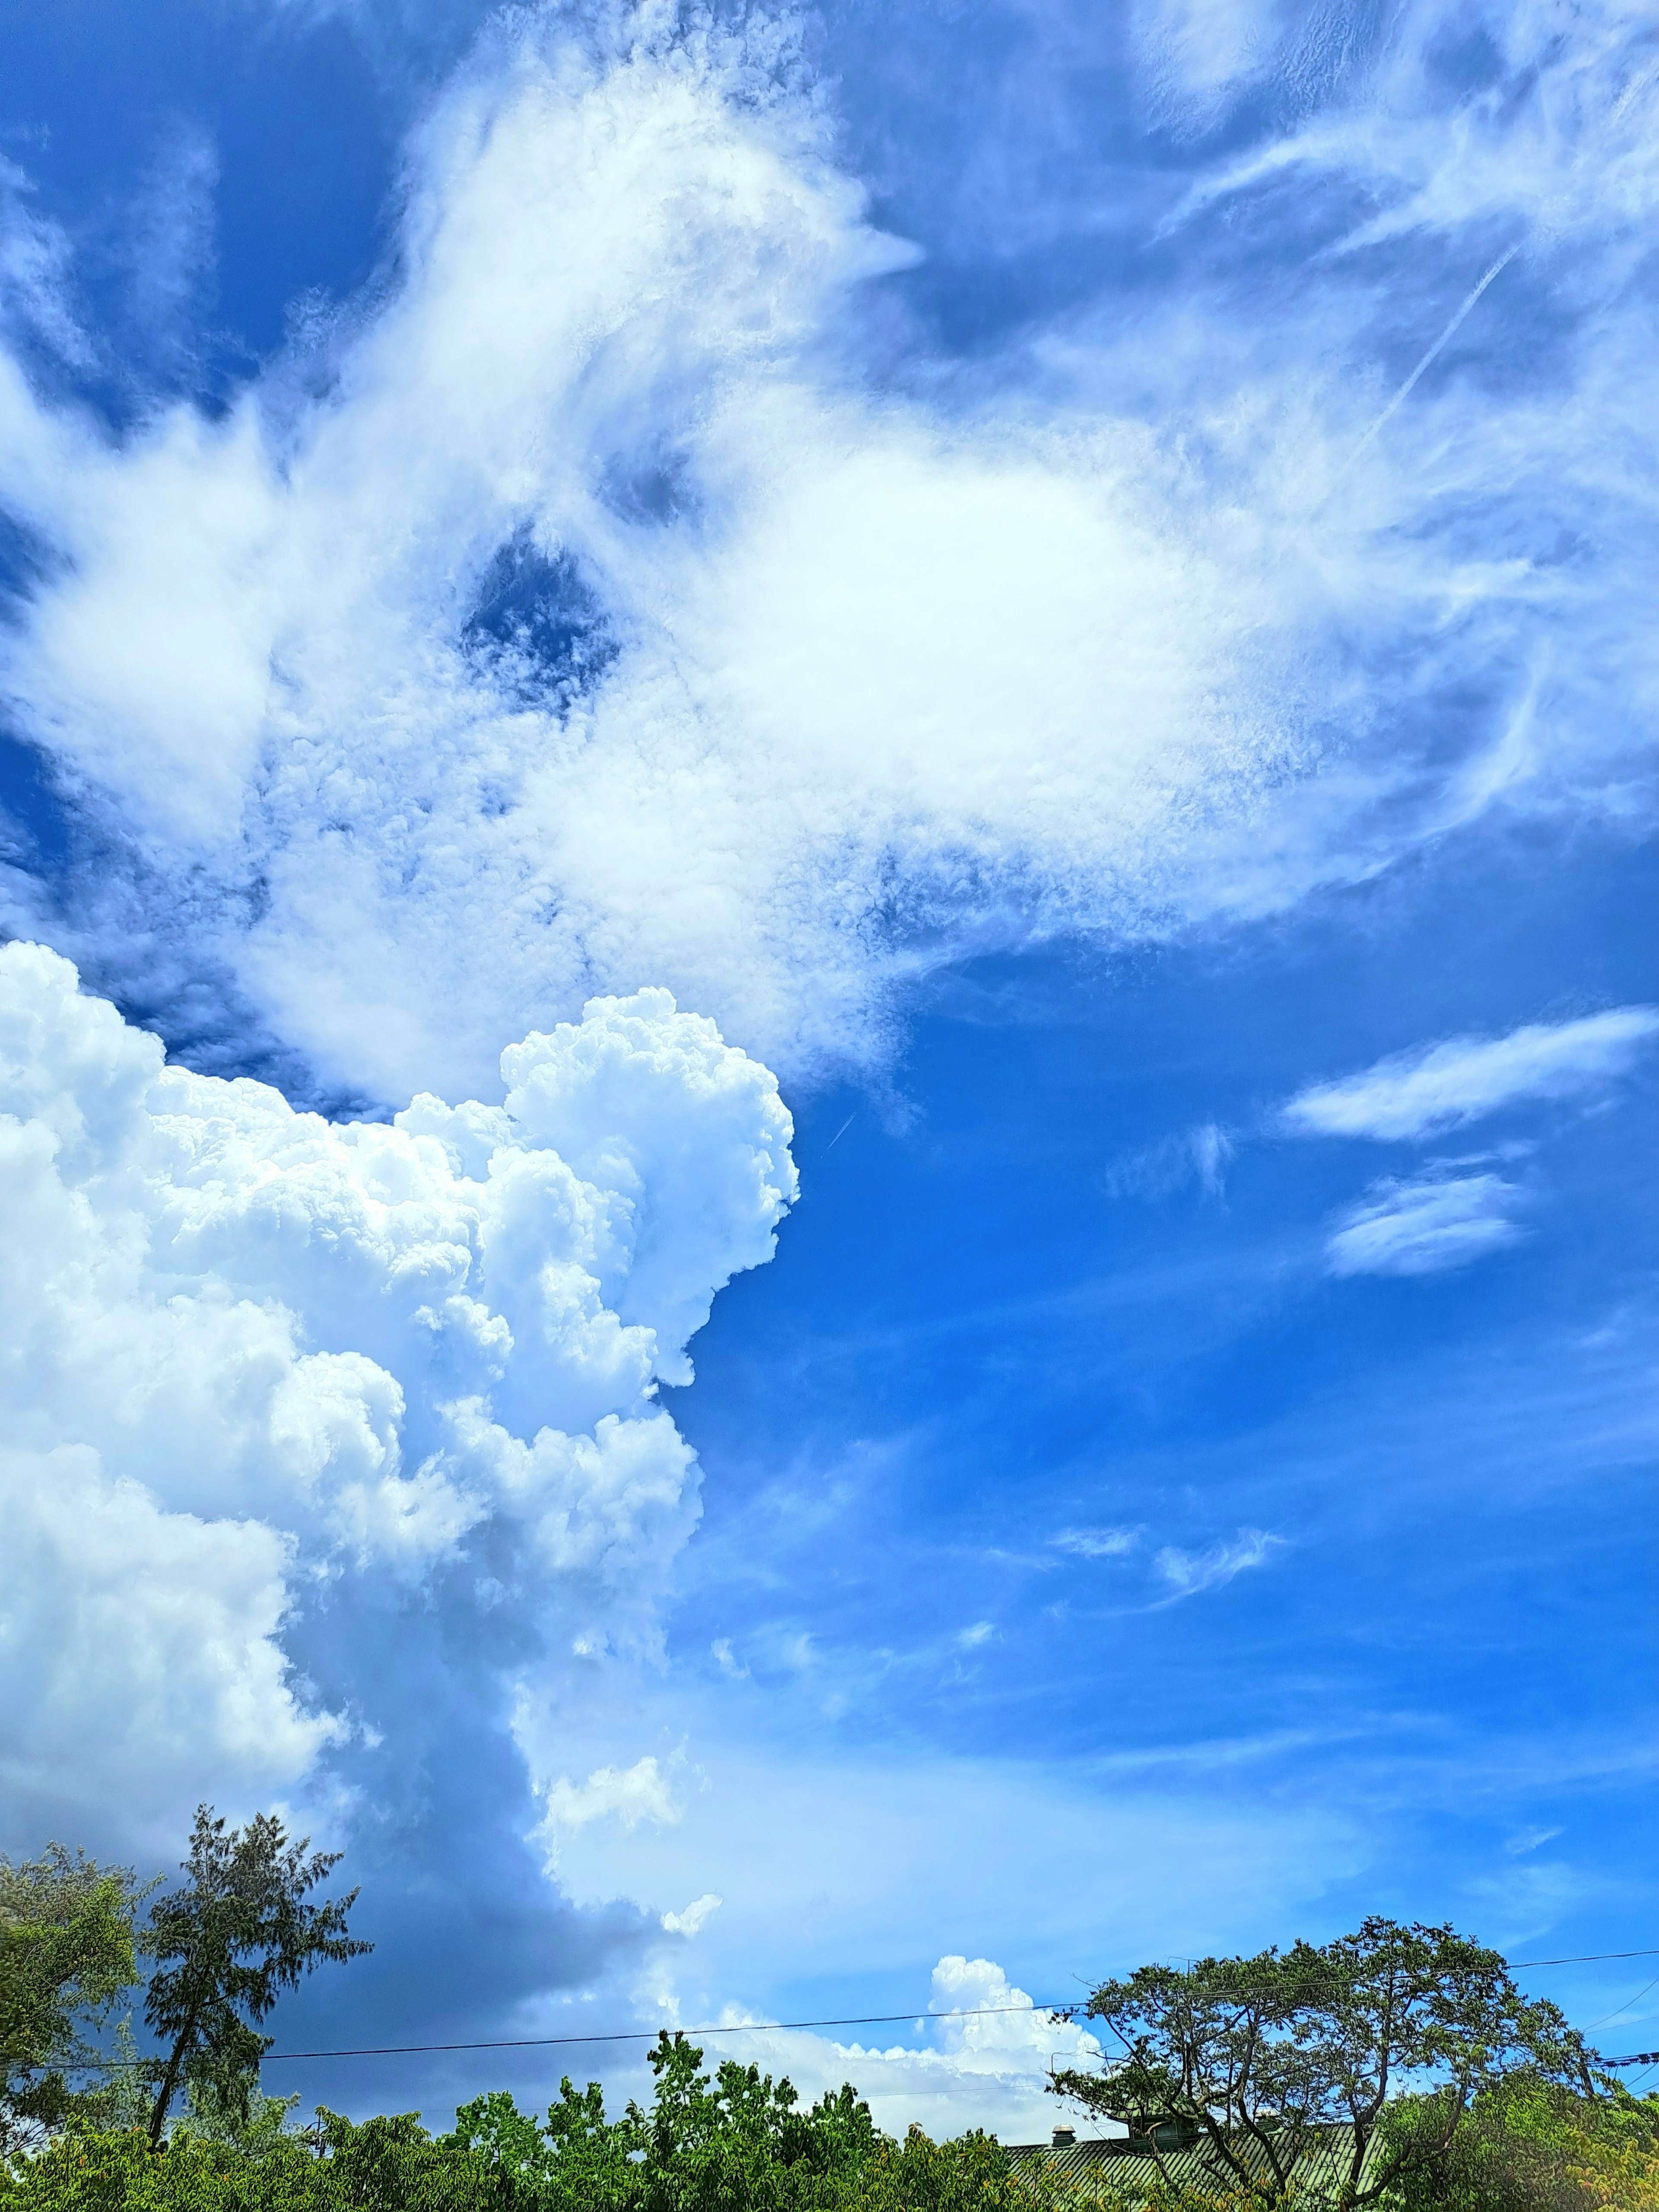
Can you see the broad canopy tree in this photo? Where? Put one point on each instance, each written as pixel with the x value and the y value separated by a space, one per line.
pixel 1258 2056
pixel 68 1945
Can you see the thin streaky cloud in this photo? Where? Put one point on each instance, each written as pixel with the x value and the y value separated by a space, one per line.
pixel 1442 1086
pixel 1425 1226
pixel 1096 1543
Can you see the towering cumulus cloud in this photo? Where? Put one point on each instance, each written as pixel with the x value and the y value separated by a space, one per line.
pixel 623 592
pixel 250 1354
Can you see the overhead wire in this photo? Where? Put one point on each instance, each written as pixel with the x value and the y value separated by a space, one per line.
pixel 1070 2007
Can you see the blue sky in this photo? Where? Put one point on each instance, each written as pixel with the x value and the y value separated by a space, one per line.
pixel 1076 582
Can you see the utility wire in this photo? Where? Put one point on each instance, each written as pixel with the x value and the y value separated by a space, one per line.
pixel 859 2020
pixel 1071 2007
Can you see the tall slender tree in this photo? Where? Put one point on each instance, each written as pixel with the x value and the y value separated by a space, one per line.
pixel 227 1942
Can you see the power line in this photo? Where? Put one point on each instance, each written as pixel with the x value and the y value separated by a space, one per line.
pixel 1584 1958
pixel 748 2028
pixel 1070 2006
pixel 650 2034
pixel 616 2035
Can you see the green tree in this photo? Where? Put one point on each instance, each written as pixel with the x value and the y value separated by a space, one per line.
pixel 67 1953
pixel 1258 2056
pixel 391 2164
pixel 1528 2145
pixel 733 2142
pixel 236 1934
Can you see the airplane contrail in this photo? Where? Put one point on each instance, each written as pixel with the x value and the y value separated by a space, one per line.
pixel 1432 356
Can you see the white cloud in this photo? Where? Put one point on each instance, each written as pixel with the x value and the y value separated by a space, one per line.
pixel 1530 1839
pixel 687 1922
pixel 989 2052
pixel 245 1348
pixel 1442 1086
pixel 1096 1543
pixel 1422 1227
pixel 1546 132
pixel 1187 1573
pixel 1194 53
pixel 139 1649
pixel 876 669
pixel 897 1857
pixel 630 1795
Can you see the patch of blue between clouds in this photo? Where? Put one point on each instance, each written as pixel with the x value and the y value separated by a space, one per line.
pixel 980 1358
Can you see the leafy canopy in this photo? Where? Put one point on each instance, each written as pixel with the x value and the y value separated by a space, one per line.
pixel 67 1952
pixel 1257 2056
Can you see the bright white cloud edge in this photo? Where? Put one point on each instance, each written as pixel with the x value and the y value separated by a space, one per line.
pixel 247 1348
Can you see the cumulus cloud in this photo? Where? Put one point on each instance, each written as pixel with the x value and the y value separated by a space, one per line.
pixel 989 2052
pixel 1186 1574
pixel 250 1352
pixel 1442 1086
pixel 586 613
pixel 630 1795
pixel 1423 1226
pixel 139 1648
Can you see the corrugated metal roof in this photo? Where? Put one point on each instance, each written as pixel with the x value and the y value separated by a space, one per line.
pixel 1319 2173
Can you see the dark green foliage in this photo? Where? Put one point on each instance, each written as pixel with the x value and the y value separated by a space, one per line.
pixel 120 2171
pixel 237 1933
pixel 394 2166
pixel 738 2141
pixel 390 2164
pixel 1531 2145
pixel 1256 2056
pixel 66 1954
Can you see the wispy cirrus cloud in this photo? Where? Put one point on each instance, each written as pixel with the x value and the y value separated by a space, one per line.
pixel 1096 1543
pixel 1442 1086
pixel 1186 1574
pixel 676 634
pixel 1426 1225
pixel 1198 1155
